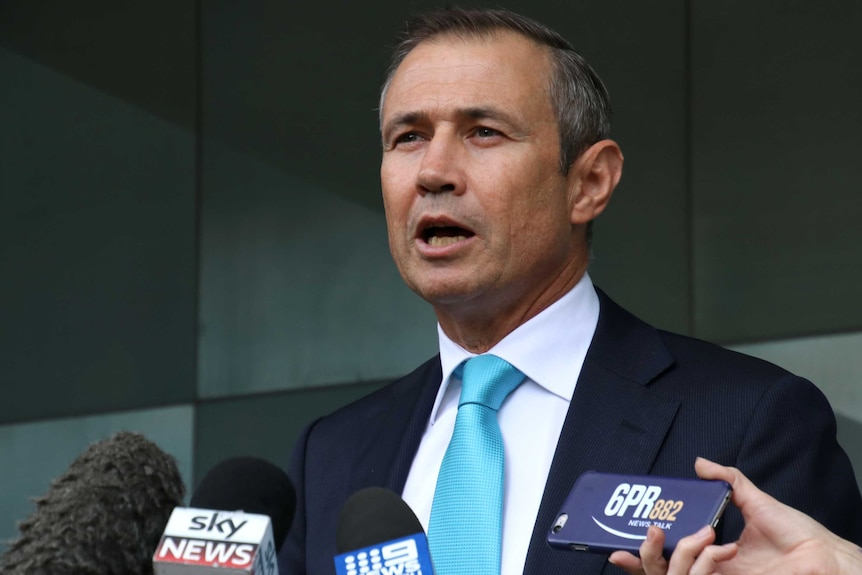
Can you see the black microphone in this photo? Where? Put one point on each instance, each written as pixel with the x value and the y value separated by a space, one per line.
pixel 238 519
pixel 252 485
pixel 103 515
pixel 378 532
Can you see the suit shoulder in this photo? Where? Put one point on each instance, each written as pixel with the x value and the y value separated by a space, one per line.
pixel 372 406
pixel 640 352
pixel 693 353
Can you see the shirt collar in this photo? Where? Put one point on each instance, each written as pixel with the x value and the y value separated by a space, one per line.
pixel 549 348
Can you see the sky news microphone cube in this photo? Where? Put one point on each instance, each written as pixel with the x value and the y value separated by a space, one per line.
pixel 204 541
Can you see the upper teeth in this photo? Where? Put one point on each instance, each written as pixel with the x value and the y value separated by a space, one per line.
pixel 439 241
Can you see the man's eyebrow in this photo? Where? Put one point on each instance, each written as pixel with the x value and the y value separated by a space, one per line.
pixel 474 112
pixel 515 125
pixel 403 119
pixel 481 112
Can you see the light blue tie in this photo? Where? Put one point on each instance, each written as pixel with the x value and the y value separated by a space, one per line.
pixel 465 531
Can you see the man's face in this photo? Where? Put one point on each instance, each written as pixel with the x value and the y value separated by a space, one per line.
pixel 476 205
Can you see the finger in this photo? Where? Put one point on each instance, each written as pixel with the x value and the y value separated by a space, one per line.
pixel 708 561
pixel 653 561
pixel 707 469
pixel 627 562
pixel 688 549
pixel 745 493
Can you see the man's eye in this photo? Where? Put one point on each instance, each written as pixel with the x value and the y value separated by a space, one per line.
pixel 486 132
pixel 407 138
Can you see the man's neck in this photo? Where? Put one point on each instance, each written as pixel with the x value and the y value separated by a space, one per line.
pixel 480 326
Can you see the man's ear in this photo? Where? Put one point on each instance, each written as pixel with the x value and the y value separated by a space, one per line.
pixel 592 179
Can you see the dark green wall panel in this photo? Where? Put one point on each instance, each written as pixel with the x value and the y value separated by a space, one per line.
pixel 297 285
pixel 98 231
pixel 141 52
pixel 850 438
pixel 265 426
pixel 777 137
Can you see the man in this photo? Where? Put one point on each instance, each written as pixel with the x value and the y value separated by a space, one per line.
pixel 495 161
pixel 776 539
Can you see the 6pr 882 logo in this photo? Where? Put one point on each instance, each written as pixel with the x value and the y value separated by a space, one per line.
pixel 645 501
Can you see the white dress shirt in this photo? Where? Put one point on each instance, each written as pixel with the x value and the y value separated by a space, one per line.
pixel 549 349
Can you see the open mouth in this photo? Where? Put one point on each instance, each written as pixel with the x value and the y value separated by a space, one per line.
pixel 440 236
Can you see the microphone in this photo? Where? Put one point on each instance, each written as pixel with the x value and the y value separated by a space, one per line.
pixel 103 515
pixel 378 534
pixel 237 521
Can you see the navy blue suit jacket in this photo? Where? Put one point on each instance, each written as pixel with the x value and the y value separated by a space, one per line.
pixel 646 402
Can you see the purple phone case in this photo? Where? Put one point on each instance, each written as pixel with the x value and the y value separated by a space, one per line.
pixel 607 512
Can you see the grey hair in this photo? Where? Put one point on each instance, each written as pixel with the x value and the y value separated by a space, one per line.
pixel 578 96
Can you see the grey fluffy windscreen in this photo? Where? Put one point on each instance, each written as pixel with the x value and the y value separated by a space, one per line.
pixel 103 516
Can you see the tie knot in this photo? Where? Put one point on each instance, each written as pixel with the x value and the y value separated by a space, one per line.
pixel 488 380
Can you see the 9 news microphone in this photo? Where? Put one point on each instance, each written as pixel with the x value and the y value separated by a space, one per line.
pixel 103 516
pixel 378 534
pixel 237 520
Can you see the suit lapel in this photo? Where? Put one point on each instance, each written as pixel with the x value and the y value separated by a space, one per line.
pixel 615 424
pixel 388 450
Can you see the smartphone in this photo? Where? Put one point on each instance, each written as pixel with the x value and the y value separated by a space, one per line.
pixel 607 512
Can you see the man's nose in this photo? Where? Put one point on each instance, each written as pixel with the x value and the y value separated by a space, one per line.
pixel 441 167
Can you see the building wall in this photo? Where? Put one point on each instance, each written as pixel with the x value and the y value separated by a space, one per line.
pixel 192 243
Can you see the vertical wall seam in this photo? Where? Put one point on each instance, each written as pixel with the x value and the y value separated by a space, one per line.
pixel 198 206
pixel 689 170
